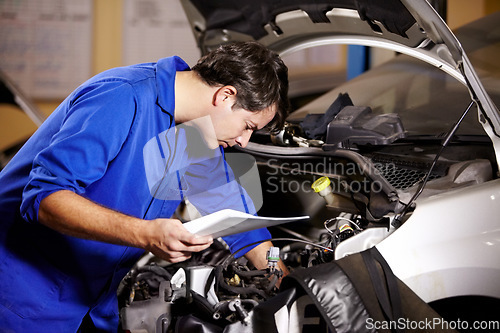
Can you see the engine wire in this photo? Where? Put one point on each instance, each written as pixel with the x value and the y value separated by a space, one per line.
pixel 231 256
pixel 337 220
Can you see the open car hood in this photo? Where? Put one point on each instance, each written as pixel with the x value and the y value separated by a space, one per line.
pixel 411 27
pixel 12 95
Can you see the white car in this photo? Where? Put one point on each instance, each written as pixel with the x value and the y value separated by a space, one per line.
pixel 410 151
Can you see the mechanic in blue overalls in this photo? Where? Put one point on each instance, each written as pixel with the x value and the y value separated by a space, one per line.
pixel 97 184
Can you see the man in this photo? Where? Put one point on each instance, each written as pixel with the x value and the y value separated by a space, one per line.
pixel 84 197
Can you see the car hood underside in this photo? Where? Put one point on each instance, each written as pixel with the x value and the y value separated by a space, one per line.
pixel 411 27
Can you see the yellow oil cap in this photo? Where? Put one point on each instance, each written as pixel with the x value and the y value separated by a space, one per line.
pixel 320 184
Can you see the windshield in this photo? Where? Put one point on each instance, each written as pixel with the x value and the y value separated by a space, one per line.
pixel 428 100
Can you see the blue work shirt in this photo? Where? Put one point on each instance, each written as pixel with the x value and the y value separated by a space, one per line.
pixel 108 142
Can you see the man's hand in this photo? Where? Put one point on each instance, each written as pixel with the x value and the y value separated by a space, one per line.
pixel 172 242
pixel 258 257
pixel 73 215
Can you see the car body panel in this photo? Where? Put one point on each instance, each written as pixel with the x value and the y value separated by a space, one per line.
pixel 435 254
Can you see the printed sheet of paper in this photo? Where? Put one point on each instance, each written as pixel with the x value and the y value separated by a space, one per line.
pixel 155 29
pixel 228 222
pixel 46 45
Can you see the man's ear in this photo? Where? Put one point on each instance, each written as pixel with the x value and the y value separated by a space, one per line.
pixel 225 94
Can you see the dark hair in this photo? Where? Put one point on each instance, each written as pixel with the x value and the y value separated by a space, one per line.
pixel 258 74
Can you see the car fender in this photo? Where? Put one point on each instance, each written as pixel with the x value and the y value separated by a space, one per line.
pixel 450 245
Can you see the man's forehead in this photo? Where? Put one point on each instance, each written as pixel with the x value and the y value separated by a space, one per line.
pixel 263 117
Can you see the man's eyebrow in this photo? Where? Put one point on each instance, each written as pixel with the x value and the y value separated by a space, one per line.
pixel 252 125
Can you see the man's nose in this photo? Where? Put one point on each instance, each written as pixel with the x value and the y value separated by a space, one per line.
pixel 243 139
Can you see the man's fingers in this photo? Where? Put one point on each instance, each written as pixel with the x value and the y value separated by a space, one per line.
pixel 175 243
pixel 190 239
pixel 201 240
pixel 197 248
pixel 179 257
pixel 185 236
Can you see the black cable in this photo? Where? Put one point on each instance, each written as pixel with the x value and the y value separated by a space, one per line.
pixel 245 290
pixel 231 256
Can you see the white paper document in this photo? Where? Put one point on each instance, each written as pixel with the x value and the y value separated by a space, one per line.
pixel 228 222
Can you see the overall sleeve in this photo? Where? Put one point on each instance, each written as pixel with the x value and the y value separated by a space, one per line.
pixel 96 122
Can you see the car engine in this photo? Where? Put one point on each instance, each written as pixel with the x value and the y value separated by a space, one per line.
pixel 215 287
pixel 356 186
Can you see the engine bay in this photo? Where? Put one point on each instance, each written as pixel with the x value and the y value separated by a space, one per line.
pixel 357 180
pixel 215 289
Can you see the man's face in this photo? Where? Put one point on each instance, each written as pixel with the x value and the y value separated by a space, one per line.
pixel 235 126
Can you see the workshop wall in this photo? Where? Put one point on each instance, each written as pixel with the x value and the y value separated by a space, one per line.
pixel 461 12
pixel 108 17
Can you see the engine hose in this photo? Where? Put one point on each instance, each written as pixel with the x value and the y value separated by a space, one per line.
pixel 156 270
pixel 150 278
pixel 237 290
pixel 203 304
pixel 272 283
pixel 261 272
